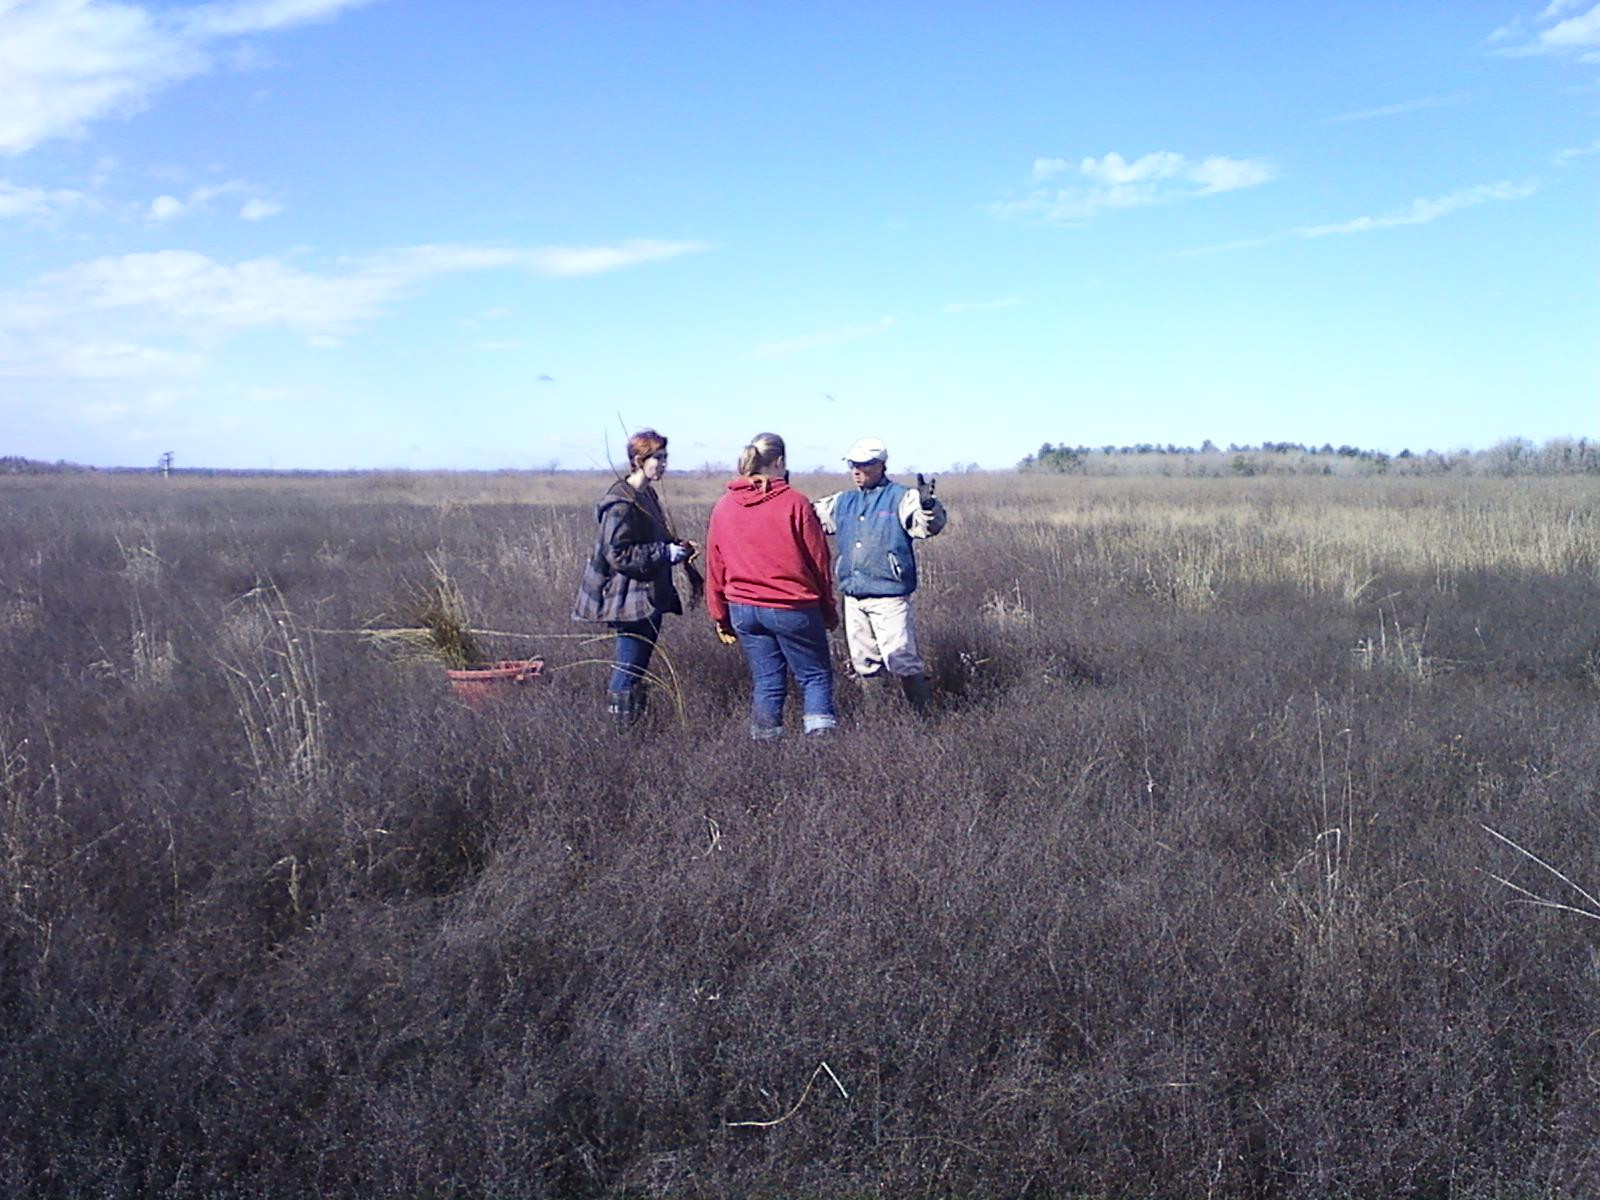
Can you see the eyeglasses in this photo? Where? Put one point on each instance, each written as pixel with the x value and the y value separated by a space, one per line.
pixel 862 466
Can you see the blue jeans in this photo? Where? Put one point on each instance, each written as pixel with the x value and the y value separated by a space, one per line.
pixel 777 641
pixel 636 642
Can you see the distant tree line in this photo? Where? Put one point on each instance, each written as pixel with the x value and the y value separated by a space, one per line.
pixel 12 464
pixel 1513 456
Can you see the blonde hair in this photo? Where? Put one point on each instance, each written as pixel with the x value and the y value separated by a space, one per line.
pixel 764 450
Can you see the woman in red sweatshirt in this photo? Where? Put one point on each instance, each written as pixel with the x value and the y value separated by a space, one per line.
pixel 769 584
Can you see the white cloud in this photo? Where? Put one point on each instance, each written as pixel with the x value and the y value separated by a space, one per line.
pixel 830 337
pixel 1421 211
pixel 60 359
pixel 1578 35
pixel 262 16
pixel 558 261
pixel 1574 32
pixel 1577 152
pixel 1219 174
pixel 1114 182
pixel 181 292
pixel 199 200
pixel 259 210
pixel 67 63
pixel 1114 170
pixel 18 201
pixel 1395 110
pixel 593 260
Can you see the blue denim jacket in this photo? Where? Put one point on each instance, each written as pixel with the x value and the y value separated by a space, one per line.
pixel 875 554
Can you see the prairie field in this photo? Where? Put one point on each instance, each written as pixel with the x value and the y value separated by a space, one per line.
pixel 1253 850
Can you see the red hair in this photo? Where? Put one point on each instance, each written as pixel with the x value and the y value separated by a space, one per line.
pixel 644 444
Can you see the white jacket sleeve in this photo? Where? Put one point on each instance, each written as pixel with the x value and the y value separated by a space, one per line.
pixel 921 524
pixel 825 511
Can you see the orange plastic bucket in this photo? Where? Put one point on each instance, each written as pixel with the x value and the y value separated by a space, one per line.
pixel 476 685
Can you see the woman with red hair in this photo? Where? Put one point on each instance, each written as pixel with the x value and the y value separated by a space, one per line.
pixel 628 580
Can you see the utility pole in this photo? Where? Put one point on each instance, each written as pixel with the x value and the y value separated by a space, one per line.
pixel 166 464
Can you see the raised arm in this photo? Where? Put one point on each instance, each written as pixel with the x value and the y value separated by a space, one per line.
pixel 920 521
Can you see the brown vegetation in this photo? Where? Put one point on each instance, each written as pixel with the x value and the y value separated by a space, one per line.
pixel 1185 892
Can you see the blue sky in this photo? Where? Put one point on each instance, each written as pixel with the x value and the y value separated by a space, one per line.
pixel 404 233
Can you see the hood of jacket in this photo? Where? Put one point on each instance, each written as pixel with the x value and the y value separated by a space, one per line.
pixel 620 492
pixel 749 492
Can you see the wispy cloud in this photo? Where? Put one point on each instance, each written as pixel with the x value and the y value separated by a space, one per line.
pixel 61 359
pixel 68 63
pixel 594 260
pixel 63 325
pixel 234 18
pixel 1421 211
pixel 16 201
pixel 1395 110
pixel 256 209
pixel 982 305
pixel 188 286
pixel 1093 185
pixel 829 337
pixel 1576 152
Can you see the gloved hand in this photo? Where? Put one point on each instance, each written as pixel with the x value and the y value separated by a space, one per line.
pixel 725 634
pixel 925 492
pixel 677 552
pixel 830 619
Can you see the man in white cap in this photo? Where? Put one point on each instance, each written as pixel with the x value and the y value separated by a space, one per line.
pixel 875 523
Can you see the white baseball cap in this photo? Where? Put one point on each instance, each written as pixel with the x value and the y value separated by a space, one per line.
pixel 867 449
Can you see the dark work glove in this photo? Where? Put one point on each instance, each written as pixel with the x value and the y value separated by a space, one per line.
pixel 925 492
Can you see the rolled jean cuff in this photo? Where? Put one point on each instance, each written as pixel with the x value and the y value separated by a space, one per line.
pixel 821 722
pixel 765 733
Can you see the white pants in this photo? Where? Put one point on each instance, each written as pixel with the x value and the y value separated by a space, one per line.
pixel 880 634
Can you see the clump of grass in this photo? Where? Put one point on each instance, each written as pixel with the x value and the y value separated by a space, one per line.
pixel 275 688
pixel 439 622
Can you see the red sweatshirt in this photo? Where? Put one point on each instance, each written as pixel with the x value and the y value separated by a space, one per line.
pixel 766 547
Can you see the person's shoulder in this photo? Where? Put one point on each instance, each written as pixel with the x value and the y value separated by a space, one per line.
pixel 794 497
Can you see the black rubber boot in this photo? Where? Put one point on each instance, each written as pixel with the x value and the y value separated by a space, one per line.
pixel 919 692
pixel 625 708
